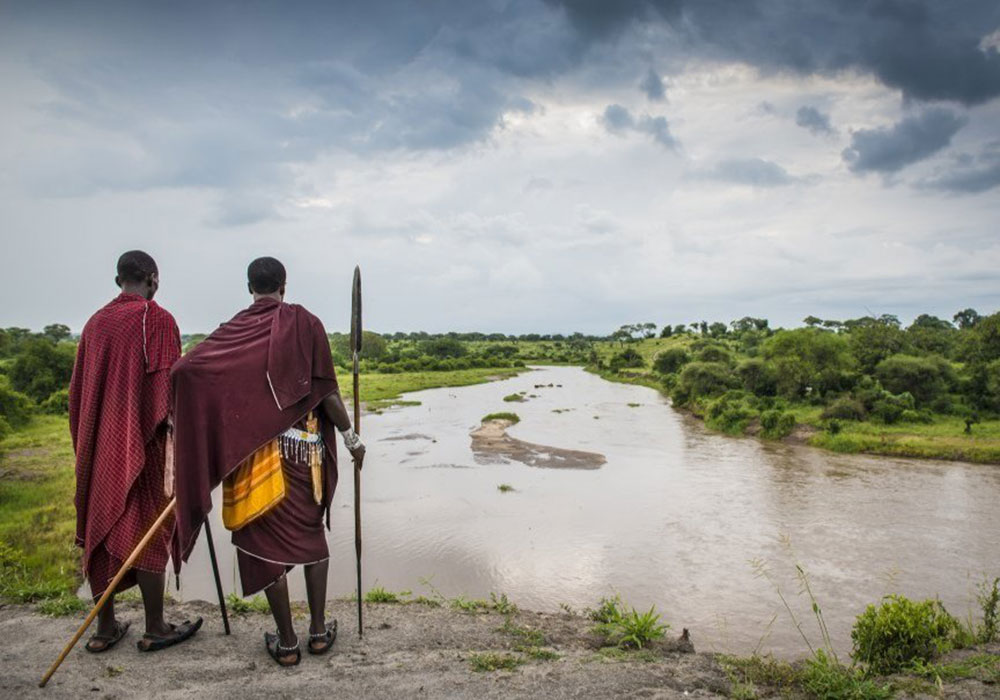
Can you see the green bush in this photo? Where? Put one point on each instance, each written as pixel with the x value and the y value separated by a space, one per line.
pixel 628 357
pixel 889 409
pixel 42 367
pixel 925 378
pixel 890 637
pixel 503 415
pixel 57 403
pixel 705 379
pixel 823 677
pixel 15 407
pixel 714 353
pixel 758 377
pixel 776 425
pixel 671 360
pixel 845 408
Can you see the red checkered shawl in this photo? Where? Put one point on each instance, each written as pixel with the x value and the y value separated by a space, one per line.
pixel 119 395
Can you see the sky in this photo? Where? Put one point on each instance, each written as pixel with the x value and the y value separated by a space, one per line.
pixel 506 166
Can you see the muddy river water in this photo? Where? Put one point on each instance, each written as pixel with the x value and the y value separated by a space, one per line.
pixel 676 516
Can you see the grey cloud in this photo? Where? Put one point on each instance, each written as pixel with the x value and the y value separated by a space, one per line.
pixel 888 150
pixel 618 120
pixel 755 172
pixel 969 175
pixel 652 86
pixel 929 51
pixel 811 118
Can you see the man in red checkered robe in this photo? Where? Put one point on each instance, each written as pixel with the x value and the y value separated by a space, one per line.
pixel 119 399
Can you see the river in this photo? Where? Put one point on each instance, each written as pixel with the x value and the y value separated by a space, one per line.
pixel 678 517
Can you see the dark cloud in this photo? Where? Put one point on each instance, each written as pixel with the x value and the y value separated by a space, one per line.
pixel 928 50
pixel 811 118
pixel 755 172
pixel 970 175
pixel 888 150
pixel 658 128
pixel 653 86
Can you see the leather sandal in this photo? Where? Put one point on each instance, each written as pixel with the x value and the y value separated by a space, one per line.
pixel 284 656
pixel 328 637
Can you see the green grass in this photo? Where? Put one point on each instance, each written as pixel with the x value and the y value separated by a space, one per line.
pixel 492 661
pixel 37 516
pixel 378 594
pixel 388 387
pixel 473 605
pixel 241 606
pixel 502 415
pixel 64 605
pixel 505 488
pixel 501 603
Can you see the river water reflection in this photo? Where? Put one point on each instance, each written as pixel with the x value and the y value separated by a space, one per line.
pixel 674 518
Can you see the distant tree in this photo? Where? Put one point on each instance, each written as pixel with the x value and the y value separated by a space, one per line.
pixel 705 379
pixel 648 330
pixel 748 323
pixel 876 339
pixel 667 331
pixel 679 329
pixel 758 376
pixel 56 331
pixel 799 356
pixel 703 327
pixel 671 360
pixel 718 330
pixel 932 322
pixel 812 321
pixel 621 335
pixel 443 347
pixel 626 358
pixel 926 378
pixel 42 367
pixel 966 318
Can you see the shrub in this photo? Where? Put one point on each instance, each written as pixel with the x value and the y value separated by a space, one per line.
pixel 502 415
pixel 925 378
pixel 730 413
pixel 705 379
pixel 844 408
pixel 889 409
pixel 628 357
pixel 57 403
pixel 714 353
pixel 758 377
pixel 890 637
pixel 626 629
pixel 671 360
pixel 776 425
pixel 823 677
pixel 42 367
pixel 15 407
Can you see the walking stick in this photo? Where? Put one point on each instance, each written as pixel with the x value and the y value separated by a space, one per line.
pixel 215 571
pixel 110 591
pixel 356 350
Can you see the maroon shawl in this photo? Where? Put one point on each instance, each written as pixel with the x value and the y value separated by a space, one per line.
pixel 241 387
pixel 118 396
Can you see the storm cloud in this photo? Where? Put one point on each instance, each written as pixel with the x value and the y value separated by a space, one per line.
pixel 812 119
pixel 887 150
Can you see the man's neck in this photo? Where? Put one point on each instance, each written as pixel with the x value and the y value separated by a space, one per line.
pixel 273 295
pixel 141 290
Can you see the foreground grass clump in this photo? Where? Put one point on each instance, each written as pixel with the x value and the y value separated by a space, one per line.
pixel 378 594
pixel 502 415
pixel 626 628
pixel 492 661
pixel 900 632
pixel 241 606
pixel 66 604
pixel 505 488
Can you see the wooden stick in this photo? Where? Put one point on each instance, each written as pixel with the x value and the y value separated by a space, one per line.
pixel 357 492
pixel 110 591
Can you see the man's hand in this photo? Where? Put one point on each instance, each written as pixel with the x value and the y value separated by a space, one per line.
pixel 358 455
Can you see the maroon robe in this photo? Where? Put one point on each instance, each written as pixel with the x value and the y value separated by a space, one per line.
pixel 253 378
pixel 119 399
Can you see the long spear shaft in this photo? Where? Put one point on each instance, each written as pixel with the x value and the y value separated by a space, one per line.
pixel 215 572
pixel 356 335
pixel 110 590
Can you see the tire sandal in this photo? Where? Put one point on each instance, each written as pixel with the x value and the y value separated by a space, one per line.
pixel 179 633
pixel 327 636
pixel 107 640
pixel 283 656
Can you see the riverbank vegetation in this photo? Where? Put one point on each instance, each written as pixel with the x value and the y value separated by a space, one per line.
pixel 931 389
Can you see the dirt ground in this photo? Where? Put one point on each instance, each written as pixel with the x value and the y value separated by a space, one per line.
pixel 408 651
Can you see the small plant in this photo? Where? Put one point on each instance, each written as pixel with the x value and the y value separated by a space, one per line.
pixel 894 635
pixel 491 661
pixel 503 415
pixel 378 594
pixel 513 397
pixel 824 677
pixel 502 604
pixel 473 605
pixel 424 600
pixel 525 636
pixel 505 488
pixel 66 604
pixel 242 606
pixel 626 629
pixel 989 599
pixel 607 611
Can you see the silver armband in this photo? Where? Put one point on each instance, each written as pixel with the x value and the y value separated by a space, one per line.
pixel 352 440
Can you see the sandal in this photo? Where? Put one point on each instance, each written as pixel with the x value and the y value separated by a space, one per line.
pixel 107 640
pixel 284 656
pixel 178 634
pixel 328 637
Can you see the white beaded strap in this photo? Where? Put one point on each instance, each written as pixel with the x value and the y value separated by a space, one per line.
pixel 352 440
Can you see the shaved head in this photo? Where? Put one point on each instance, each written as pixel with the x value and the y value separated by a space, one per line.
pixel 135 266
pixel 266 275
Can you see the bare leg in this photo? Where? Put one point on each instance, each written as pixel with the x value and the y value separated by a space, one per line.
pixel 277 598
pixel 316 593
pixel 106 618
pixel 151 585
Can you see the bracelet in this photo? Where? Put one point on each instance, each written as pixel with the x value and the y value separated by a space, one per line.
pixel 351 439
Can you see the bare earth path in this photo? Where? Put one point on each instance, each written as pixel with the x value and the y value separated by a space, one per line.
pixel 410 651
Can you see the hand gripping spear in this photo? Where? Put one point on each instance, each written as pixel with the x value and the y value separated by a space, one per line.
pixel 356 351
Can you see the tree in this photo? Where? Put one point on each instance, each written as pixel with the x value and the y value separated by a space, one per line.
pixel 443 347
pixel 705 379
pixel 966 318
pixel 926 378
pixel 667 331
pixel 41 367
pixel 758 377
pixel 812 321
pixel 373 346
pixel 671 360
pixel 648 330
pixel 56 331
pixel 876 339
pixel 718 330
pixel 801 355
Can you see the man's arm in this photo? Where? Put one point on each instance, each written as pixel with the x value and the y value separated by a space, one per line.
pixel 336 412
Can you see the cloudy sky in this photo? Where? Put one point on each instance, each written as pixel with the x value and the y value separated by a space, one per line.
pixel 510 165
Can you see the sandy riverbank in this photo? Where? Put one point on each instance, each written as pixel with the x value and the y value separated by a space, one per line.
pixel 491 442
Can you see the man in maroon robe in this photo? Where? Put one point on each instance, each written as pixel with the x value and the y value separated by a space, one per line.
pixel 119 400
pixel 265 375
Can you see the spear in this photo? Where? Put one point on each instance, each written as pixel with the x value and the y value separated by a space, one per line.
pixel 356 351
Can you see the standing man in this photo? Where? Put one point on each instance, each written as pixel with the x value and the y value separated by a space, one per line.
pixel 256 408
pixel 119 400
